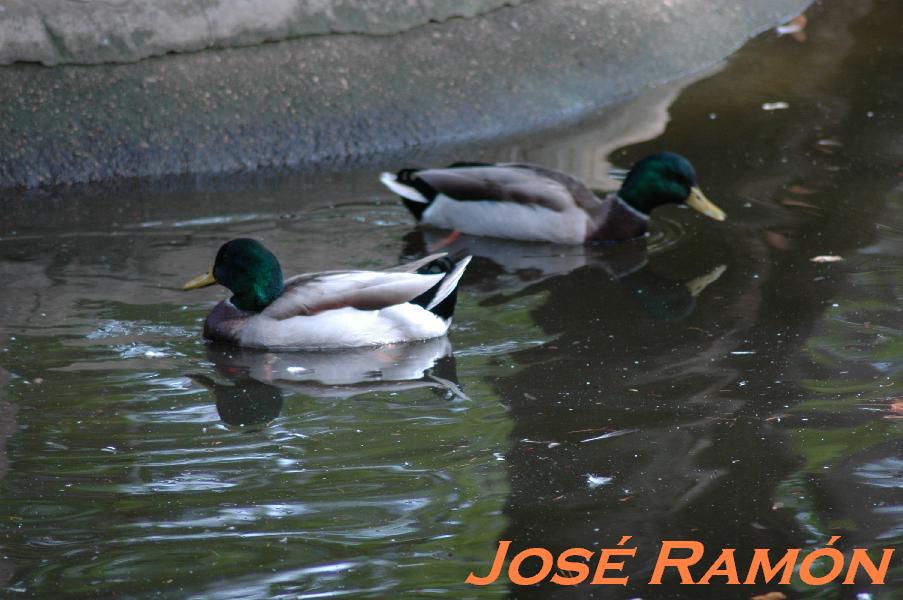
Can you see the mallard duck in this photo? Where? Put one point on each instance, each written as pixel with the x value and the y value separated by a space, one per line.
pixel 534 203
pixel 330 309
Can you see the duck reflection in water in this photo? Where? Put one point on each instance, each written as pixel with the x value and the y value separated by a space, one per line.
pixel 245 401
pixel 507 269
pixel 259 378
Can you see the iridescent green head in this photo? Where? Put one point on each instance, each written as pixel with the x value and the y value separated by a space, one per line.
pixel 249 270
pixel 665 178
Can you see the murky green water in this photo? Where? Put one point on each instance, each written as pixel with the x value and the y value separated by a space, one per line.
pixel 584 394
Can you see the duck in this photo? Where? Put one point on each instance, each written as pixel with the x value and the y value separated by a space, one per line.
pixel 535 203
pixel 329 309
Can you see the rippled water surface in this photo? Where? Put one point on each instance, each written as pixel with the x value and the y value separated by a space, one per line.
pixel 712 383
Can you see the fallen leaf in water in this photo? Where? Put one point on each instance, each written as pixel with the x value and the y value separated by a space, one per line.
pixel 793 25
pixel 799 189
pixel 776 240
pixel 799 203
pixel 770 596
pixel 794 28
pixel 826 258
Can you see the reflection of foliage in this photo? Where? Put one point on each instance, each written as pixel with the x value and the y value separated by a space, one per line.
pixel 850 370
pixel 797 495
pixel 822 447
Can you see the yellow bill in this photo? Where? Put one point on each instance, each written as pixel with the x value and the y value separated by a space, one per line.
pixel 698 201
pixel 199 281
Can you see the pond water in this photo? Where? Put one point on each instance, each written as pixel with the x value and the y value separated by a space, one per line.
pixel 711 384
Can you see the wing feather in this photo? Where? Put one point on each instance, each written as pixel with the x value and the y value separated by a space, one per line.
pixel 521 184
pixel 581 194
pixel 314 293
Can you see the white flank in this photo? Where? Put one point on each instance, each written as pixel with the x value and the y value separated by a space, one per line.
pixel 345 328
pixel 405 191
pixel 507 220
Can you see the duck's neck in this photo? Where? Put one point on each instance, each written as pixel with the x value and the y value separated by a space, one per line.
pixel 636 197
pixel 261 294
pixel 615 221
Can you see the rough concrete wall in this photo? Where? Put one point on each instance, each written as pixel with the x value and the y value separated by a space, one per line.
pixel 55 32
pixel 338 100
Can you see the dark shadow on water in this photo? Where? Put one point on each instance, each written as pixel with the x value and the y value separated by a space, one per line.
pixel 686 430
pixel 506 270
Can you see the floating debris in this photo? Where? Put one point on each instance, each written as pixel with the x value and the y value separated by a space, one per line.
pixel 895 409
pixel 594 481
pixel 608 435
pixel 775 106
pixel 793 26
pixel 770 596
pixel 826 258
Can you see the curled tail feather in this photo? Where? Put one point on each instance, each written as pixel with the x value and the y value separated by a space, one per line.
pixel 442 297
pixel 415 193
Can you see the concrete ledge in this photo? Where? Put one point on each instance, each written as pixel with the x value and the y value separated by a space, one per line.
pixel 53 32
pixel 341 100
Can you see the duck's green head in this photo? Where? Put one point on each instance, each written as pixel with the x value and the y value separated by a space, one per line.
pixel 249 270
pixel 665 178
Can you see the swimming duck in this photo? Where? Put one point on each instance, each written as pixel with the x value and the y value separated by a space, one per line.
pixel 330 309
pixel 534 203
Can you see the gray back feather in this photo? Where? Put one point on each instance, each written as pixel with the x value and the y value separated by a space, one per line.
pixel 521 184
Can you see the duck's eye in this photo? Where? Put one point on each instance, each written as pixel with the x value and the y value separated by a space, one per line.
pixel 683 180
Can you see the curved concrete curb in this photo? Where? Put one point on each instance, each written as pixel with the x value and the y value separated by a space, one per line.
pixel 343 99
pixel 53 32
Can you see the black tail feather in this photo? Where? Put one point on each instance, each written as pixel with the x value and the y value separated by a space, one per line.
pixel 446 308
pixel 409 177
